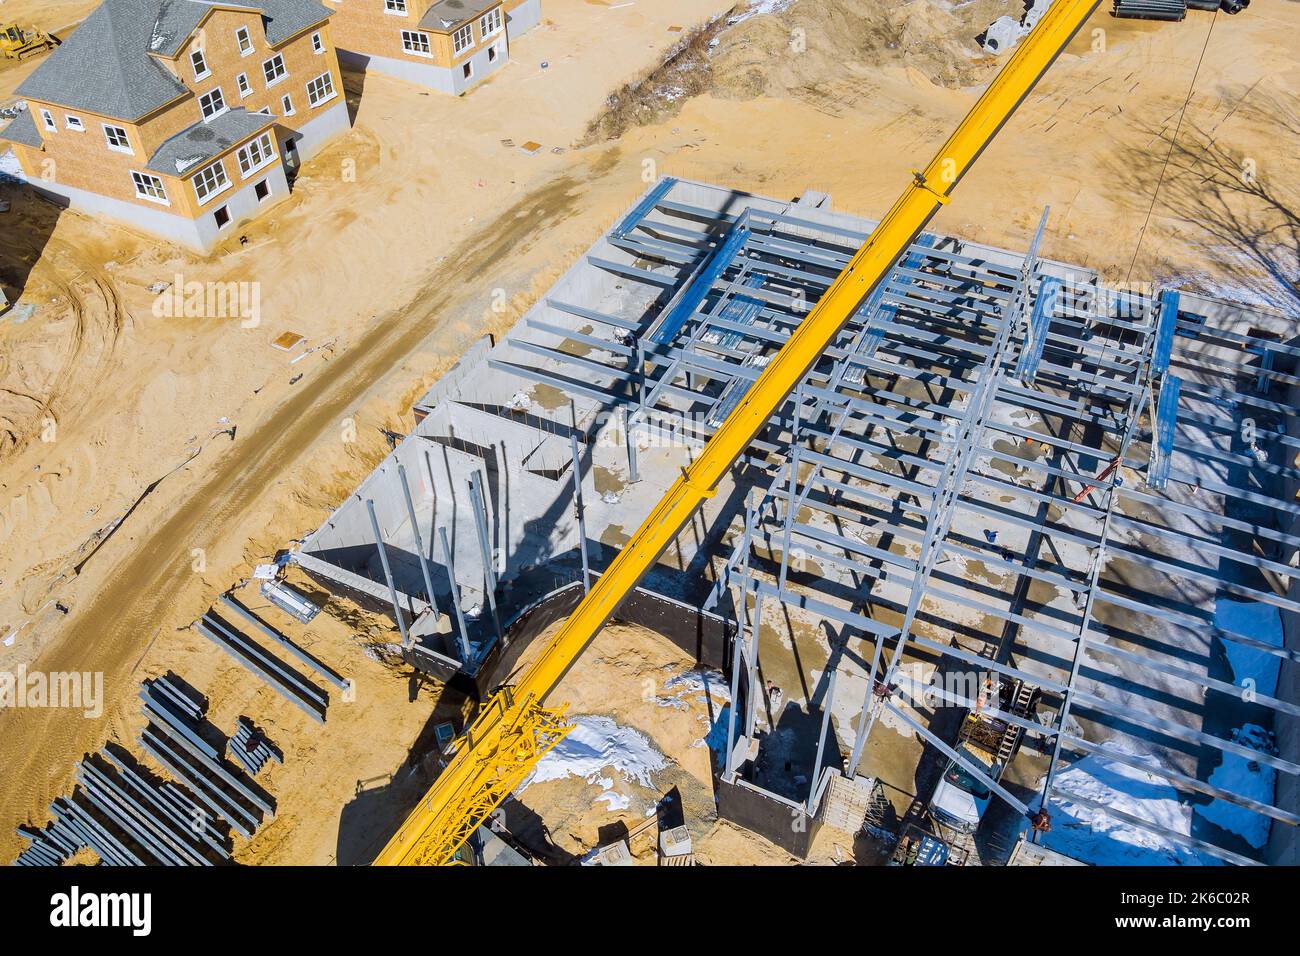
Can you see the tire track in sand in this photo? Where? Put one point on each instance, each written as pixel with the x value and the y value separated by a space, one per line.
pixel 111 631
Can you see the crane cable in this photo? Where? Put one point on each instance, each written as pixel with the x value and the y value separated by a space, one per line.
pixel 1191 88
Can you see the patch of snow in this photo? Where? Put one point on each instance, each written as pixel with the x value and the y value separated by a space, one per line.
pixel 1246 778
pixel 758 8
pixel 594 745
pixel 1092 836
pixel 9 167
pixel 518 402
pixel 184 164
pixel 703 685
pixel 1257 620
pixel 615 801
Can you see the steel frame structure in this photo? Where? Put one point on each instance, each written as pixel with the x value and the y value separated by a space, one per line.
pixel 1130 455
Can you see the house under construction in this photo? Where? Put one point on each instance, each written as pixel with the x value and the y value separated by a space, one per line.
pixel 1001 468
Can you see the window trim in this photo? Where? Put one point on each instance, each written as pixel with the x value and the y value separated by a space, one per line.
pixel 162 187
pixel 126 148
pixel 495 12
pixel 212 194
pixel 209 117
pixel 328 77
pixel 396 8
pixel 467 70
pixel 409 35
pixel 248 37
pixel 284 74
pixel 244 86
pixel 47 119
pixel 207 70
pixel 468 30
pixel 286 105
pixel 74 122
pixel 317 44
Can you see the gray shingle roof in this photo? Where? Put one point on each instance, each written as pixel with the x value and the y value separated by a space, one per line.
pixel 105 67
pixel 177 19
pixel 22 130
pixel 185 151
pixel 447 13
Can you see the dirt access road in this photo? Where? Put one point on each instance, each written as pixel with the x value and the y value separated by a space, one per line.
pixel 869 98
pixel 244 498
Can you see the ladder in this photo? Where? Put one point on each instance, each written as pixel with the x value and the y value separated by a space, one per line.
pixel 1021 704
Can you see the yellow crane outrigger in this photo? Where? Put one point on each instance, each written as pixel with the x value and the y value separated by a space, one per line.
pixel 514 728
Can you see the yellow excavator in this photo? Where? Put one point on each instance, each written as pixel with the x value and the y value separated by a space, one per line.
pixel 19 44
pixel 516 727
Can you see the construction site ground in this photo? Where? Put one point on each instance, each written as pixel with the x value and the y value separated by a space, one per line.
pixel 123 499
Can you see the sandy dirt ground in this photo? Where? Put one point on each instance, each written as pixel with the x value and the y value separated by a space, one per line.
pixel 119 497
pixel 641 682
pixel 473 218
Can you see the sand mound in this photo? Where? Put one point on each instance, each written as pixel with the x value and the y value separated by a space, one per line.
pixel 811 50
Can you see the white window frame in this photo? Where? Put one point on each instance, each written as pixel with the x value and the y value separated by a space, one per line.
pixel 460 44
pixel 286 105
pixel 416 43
pixel 220 182
pixel 284 71
pixel 215 91
pixel 241 83
pixel 48 119
pixel 124 146
pixel 73 122
pixel 202 61
pixel 248 163
pixel 328 78
pixel 139 180
pixel 317 44
pixel 396 8
pixel 242 36
pixel 494 15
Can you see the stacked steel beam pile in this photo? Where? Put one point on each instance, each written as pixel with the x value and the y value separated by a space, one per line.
pixel 251 749
pixel 287 681
pixel 129 818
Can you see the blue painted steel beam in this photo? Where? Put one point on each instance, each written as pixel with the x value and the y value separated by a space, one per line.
pixel 1166 425
pixel 1031 356
pixel 644 207
pixel 1166 324
pixel 702 284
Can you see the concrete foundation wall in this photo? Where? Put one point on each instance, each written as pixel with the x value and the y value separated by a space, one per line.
pixel 706 637
pixel 316 134
pixel 197 234
pixel 431 76
pixel 523 18
pixel 785 824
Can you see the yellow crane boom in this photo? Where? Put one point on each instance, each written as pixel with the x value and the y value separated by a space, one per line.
pixel 514 729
